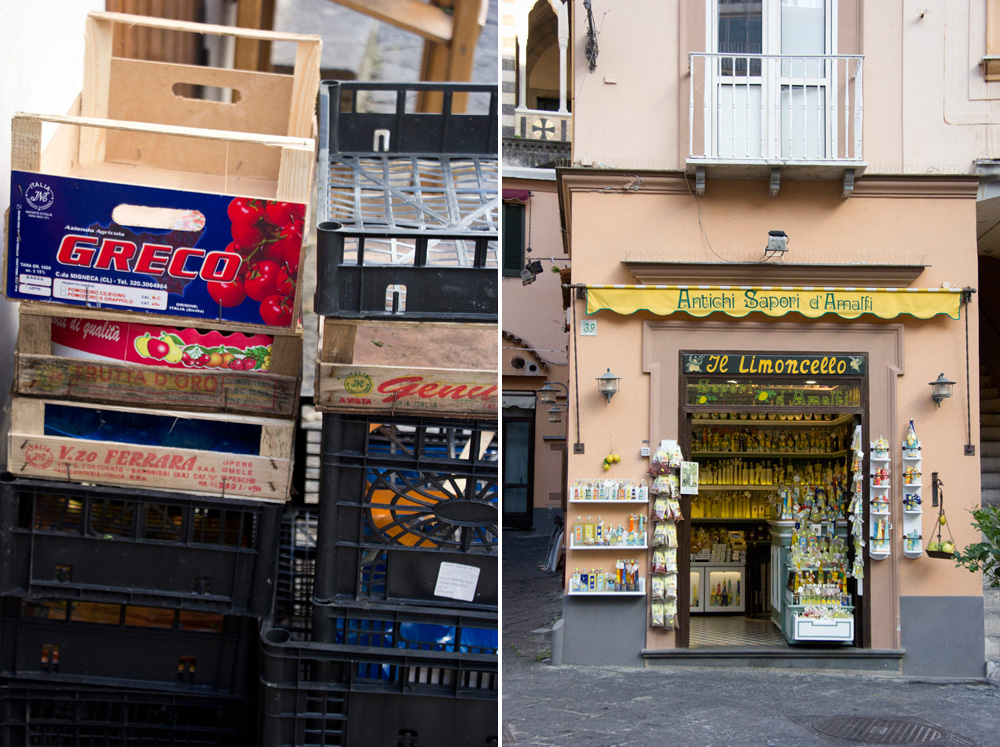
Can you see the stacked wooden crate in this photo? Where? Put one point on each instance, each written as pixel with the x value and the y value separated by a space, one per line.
pixel 402 552
pixel 155 247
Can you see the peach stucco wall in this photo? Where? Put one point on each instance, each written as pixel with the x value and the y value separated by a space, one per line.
pixel 927 106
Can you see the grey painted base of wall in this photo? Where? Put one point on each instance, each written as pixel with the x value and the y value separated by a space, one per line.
pixel 604 631
pixel 943 636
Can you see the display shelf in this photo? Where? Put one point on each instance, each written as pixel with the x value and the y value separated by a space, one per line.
pixel 912 535
pixel 609 547
pixel 702 488
pixel 727 520
pixel 839 420
pixel 774 454
pixel 879 513
pixel 614 501
pixel 606 593
pixel 821 629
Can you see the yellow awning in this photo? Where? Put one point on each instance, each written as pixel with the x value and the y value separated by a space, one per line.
pixel 738 300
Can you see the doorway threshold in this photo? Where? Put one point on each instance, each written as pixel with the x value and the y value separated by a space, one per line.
pixel 829 659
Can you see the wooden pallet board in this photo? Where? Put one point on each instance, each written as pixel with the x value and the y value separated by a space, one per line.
pixel 266 476
pixel 40 373
pixel 408 368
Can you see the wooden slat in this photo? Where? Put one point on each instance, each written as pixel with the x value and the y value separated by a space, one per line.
pixel 391 390
pixel 202 28
pixel 295 175
pixel 96 83
pixel 415 16
pixel 294 143
pixel 420 344
pixel 197 390
pixel 263 477
pixel 248 51
pixel 26 144
pixel 302 112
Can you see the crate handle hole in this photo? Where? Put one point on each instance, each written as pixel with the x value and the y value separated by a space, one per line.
pixel 159 218
pixel 395 299
pixel 278 635
pixel 381 137
pixel 217 94
pixel 407 738
pixel 50 657
pixel 186 666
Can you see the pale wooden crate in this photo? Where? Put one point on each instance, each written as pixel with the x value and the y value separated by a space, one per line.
pixel 441 363
pixel 121 88
pixel 39 373
pixel 266 476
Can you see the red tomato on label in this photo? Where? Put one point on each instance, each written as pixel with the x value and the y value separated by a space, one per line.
pixel 227 294
pixel 262 280
pixel 242 211
pixel 246 235
pixel 278 213
pixel 276 311
pixel 286 283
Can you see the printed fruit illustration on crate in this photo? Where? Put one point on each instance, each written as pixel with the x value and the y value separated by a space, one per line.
pixel 155 345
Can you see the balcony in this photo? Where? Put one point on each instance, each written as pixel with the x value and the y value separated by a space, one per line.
pixel 541 138
pixel 759 115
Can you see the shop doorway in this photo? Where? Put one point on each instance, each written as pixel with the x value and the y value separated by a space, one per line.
pixel 769 557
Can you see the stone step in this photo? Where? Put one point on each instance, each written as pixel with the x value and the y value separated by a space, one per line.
pixel 990 406
pixel 989 419
pixel 990 480
pixel 988 448
pixel 989 433
pixel 988 392
pixel 990 464
pixel 990 496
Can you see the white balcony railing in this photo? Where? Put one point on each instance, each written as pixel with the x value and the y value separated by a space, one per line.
pixel 775 109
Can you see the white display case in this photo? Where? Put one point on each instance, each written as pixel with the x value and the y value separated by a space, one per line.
pixel 720 587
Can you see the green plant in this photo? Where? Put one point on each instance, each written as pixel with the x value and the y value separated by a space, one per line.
pixel 984 556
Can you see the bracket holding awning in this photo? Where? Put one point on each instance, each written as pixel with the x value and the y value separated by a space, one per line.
pixel 775 301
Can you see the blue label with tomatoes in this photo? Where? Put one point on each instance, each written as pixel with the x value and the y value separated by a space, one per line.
pixel 189 254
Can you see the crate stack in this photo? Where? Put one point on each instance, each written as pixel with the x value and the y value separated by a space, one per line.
pixel 385 621
pixel 154 246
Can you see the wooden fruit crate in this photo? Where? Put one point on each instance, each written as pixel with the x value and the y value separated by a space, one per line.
pixel 265 475
pixel 408 368
pixel 125 89
pixel 41 372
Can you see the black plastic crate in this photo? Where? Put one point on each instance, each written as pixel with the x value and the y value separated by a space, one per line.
pixel 397 677
pixel 63 716
pixel 137 547
pixel 408 512
pixel 408 205
pixel 93 643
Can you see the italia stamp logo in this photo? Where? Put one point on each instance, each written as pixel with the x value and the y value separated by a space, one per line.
pixel 51 377
pixel 39 196
pixel 38 456
pixel 358 383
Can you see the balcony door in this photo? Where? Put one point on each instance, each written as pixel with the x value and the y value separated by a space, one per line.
pixel 771 80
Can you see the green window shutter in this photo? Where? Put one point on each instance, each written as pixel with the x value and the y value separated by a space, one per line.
pixel 513 239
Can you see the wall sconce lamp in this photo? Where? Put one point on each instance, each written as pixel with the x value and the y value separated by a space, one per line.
pixel 530 272
pixel 555 413
pixel 941 388
pixel 607 384
pixel 777 243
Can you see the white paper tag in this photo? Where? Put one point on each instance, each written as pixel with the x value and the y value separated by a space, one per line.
pixel 457 581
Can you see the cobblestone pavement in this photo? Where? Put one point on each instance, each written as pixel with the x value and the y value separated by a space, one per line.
pixel 707 707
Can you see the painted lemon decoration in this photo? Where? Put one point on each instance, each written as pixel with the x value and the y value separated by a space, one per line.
pixel 702 399
pixel 762 396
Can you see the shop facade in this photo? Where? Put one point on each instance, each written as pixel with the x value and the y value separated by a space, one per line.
pixel 781 378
